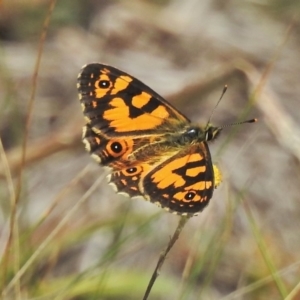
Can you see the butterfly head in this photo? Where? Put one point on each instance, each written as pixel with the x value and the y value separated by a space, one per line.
pixel 211 132
pixel 196 133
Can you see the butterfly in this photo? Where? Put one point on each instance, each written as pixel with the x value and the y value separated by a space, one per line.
pixel 153 151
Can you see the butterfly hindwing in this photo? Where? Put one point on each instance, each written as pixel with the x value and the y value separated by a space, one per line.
pixel 127 180
pixel 183 183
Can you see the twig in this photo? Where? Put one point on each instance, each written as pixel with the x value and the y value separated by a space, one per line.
pixel 182 222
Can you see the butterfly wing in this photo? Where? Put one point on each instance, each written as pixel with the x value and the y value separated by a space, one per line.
pixel 117 104
pixel 183 183
pixel 122 115
pixel 120 152
pixel 126 181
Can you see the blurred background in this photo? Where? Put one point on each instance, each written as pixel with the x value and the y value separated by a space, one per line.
pixel 69 236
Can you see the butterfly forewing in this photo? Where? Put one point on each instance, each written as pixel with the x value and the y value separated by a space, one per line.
pixel 117 104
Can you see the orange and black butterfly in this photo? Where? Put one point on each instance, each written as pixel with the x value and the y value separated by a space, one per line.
pixel 152 149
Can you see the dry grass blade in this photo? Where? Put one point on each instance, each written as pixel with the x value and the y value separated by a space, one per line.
pixel 293 294
pixel 278 120
pixel 41 148
pixel 264 251
pixel 12 194
pixel 52 235
pixel 263 282
pixel 200 88
pixel 164 254
pixel 13 224
pixel 32 96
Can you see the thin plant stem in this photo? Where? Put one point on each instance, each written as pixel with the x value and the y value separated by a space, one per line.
pixel 182 222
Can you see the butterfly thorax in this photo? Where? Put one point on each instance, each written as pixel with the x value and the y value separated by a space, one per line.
pixel 196 134
pixel 170 143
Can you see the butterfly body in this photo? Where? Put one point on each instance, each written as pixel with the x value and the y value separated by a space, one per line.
pixel 152 149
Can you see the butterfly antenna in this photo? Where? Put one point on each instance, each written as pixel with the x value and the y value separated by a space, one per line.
pixel 242 122
pixel 223 93
pixel 232 124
